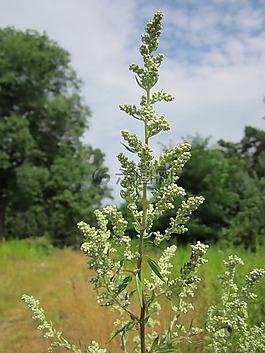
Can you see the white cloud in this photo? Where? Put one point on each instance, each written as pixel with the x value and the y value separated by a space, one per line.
pixel 214 62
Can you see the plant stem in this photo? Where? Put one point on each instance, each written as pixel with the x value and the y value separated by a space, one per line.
pixel 139 266
pixel 142 234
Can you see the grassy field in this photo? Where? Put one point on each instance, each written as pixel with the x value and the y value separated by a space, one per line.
pixel 58 278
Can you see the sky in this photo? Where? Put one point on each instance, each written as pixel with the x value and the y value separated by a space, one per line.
pixel 214 64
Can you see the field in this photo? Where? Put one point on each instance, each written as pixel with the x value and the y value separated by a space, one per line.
pixel 58 278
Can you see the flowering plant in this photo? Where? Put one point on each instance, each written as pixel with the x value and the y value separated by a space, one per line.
pixel 119 267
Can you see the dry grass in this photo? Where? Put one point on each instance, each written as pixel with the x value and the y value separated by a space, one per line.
pixel 59 281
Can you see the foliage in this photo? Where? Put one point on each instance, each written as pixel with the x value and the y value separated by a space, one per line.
pixel 251 149
pixel 117 266
pixel 58 279
pixel 206 173
pixel 246 222
pixel 227 322
pixel 44 164
pixel 231 178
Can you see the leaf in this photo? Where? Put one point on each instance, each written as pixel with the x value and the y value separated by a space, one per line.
pixel 115 333
pixel 155 342
pixel 128 148
pixel 151 243
pixel 148 243
pixel 139 83
pixel 131 293
pixel 139 228
pixel 155 268
pixel 124 329
pixel 150 296
pixel 165 349
pixel 124 284
pixel 190 325
pixel 127 327
pixel 146 319
pixel 139 289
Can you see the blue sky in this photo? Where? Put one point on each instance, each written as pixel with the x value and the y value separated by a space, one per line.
pixel 214 62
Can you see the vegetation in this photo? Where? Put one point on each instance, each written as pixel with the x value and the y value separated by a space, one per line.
pixel 135 281
pixel 231 177
pixel 246 223
pixel 58 279
pixel 45 169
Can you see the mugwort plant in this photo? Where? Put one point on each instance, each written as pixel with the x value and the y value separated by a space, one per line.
pixel 126 277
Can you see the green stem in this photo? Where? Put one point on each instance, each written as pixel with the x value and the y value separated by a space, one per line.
pixel 139 266
pixel 146 137
pixel 233 349
pixel 142 235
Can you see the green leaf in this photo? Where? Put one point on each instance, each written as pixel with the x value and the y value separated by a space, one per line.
pixel 139 289
pixel 150 297
pixel 146 319
pixel 124 329
pixel 190 325
pixel 155 342
pixel 131 293
pixel 152 244
pixel 115 333
pixel 124 284
pixel 155 268
pixel 128 148
pixel 148 243
pixel 166 349
pixel 139 228
pixel 139 82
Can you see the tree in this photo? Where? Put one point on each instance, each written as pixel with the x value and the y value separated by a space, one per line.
pixel 43 162
pixel 231 177
pixel 206 173
pixel 247 224
pixel 251 149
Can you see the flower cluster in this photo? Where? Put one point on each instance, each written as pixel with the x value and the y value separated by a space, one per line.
pixel 134 142
pixel 52 333
pixel 227 323
pixel 101 242
pixel 160 280
pixel 253 278
pixel 148 76
pixel 178 289
pixel 94 348
pixel 188 280
pixel 177 223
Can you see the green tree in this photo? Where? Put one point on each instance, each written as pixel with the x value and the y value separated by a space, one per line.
pixel 207 173
pixel 43 163
pixel 251 149
pixel 231 176
pixel 247 223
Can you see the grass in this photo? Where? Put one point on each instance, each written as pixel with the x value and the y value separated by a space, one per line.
pixel 58 278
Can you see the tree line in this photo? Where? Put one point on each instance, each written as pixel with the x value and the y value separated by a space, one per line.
pixel 232 179
pixel 46 169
